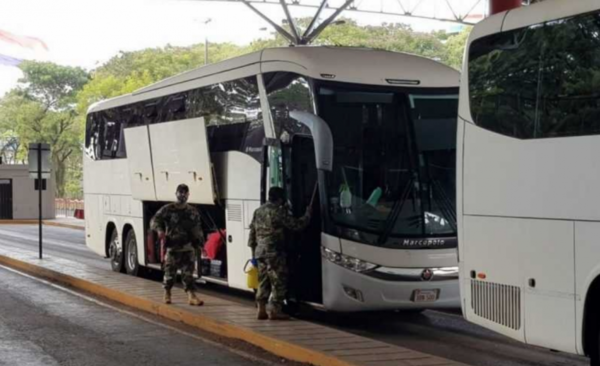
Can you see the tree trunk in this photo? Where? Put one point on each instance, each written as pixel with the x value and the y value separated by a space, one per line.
pixel 59 178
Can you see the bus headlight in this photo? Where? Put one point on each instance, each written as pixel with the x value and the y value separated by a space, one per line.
pixel 351 263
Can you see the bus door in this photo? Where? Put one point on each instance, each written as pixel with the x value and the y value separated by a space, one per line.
pixel 305 250
pixel 180 155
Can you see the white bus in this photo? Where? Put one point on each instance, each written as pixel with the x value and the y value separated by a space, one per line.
pixel 376 130
pixel 529 175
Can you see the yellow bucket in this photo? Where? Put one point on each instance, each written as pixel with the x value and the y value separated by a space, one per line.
pixel 251 275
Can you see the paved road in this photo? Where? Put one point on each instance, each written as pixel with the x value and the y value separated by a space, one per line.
pixel 43 325
pixel 445 334
pixel 60 242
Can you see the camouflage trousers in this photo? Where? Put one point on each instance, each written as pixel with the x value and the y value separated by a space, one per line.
pixel 183 259
pixel 272 282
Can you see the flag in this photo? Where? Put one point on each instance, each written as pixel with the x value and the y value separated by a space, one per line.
pixel 9 61
pixel 16 48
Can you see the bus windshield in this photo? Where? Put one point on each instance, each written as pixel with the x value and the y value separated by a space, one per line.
pixel 394 168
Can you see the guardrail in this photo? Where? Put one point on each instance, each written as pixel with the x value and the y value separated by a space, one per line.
pixel 69 208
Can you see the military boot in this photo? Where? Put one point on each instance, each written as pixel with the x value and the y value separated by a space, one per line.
pixel 278 315
pixel 193 299
pixel 262 311
pixel 167 297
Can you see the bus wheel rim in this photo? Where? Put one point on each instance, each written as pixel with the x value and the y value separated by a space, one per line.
pixel 113 252
pixel 132 257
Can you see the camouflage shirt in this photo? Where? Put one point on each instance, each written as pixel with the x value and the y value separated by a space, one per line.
pixel 180 223
pixel 267 229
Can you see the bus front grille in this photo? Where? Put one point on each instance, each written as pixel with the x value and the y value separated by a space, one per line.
pixel 498 303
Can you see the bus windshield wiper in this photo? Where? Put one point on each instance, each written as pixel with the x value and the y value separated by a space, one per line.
pixel 395 212
pixel 445 203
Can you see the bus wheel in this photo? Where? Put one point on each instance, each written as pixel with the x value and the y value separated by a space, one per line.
pixel 115 252
pixel 132 265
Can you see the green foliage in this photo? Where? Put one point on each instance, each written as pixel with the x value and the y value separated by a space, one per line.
pixel 438 45
pixel 41 109
pixel 129 71
pixel 455 49
pixel 53 85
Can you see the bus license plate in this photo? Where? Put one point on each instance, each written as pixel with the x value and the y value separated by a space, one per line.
pixel 425 295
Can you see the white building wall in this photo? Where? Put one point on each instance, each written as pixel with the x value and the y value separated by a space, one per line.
pixel 25 197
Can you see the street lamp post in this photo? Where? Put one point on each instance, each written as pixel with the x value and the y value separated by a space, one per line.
pixel 208 20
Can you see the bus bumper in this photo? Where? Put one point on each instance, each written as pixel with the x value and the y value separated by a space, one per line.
pixel 348 291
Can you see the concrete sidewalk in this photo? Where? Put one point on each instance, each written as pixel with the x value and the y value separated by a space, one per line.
pixel 295 340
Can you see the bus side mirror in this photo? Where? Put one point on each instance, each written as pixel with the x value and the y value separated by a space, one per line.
pixel 321 135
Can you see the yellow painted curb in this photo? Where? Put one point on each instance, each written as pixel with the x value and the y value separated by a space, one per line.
pixel 45 222
pixel 273 345
pixel 18 222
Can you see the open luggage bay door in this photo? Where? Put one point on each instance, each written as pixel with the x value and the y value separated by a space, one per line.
pixel 141 176
pixel 180 154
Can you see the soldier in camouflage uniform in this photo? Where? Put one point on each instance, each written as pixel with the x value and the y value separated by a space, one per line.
pixel 178 226
pixel 268 248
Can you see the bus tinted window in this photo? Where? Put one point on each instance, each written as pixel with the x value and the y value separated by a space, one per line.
pixel 233 115
pixel 112 133
pixel 92 136
pixel 231 109
pixel 540 81
pixel 288 92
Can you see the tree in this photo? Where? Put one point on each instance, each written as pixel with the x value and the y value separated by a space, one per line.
pixel 42 109
pixel 455 48
pixel 9 146
pixel 129 71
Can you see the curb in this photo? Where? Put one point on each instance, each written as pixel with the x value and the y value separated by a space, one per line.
pixel 60 224
pixel 45 222
pixel 273 345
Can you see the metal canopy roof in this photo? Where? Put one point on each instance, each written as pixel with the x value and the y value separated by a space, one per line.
pixel 457 11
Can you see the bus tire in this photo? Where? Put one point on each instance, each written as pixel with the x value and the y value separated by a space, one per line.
pixel 115 252
pixel 132 264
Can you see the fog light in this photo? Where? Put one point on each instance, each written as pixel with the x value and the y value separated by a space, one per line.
pixel 354 293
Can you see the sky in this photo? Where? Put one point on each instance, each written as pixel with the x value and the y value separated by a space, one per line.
pixel 87 33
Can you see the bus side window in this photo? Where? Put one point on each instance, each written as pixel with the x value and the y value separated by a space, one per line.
pixel 92 138
pixel 110 141
pixel 288 92
pixel 176 107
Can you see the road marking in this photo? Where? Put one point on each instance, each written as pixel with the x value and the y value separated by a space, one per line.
pixel 143 318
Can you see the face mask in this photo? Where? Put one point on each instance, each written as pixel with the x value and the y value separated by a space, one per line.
pixel 182 197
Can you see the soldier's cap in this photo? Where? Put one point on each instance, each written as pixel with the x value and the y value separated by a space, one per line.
pixel 183 188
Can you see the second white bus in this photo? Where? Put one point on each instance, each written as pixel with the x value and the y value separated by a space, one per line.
pixel 529 176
